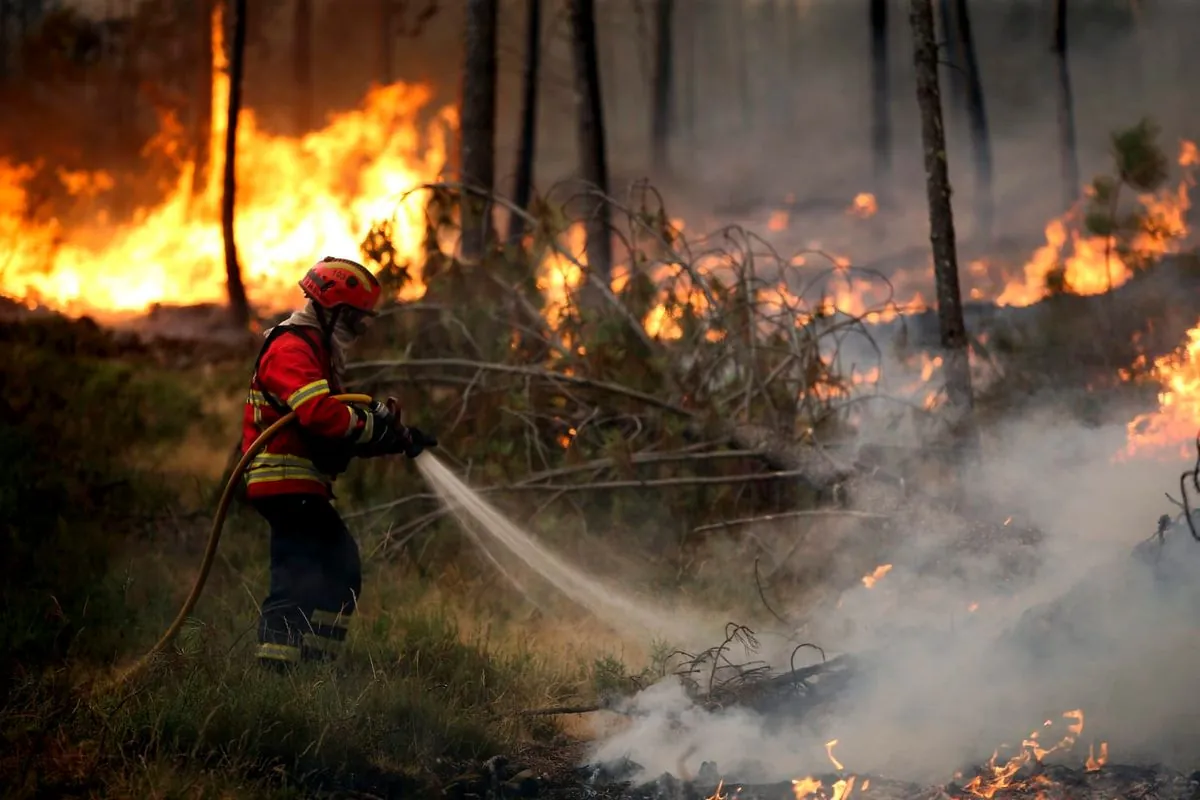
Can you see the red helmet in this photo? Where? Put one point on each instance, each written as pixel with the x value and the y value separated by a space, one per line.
pixel 334 282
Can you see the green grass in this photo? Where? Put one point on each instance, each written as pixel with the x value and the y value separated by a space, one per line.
pixel 103 541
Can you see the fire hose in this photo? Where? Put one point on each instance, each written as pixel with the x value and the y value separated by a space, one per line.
pixel 214 536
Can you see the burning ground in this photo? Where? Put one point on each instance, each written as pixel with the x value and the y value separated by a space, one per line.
pixel 726 449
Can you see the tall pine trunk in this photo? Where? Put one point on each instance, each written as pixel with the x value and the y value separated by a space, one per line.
pixel 477 140
pixel 593 156
pixel 238 305
pixel 202 120
pixel 952 58
pixel 1068 151
pixel 302 76
pixel 881 122
pixel 660 112
pixel 527 145
pixel 387 30
pixel 956 364
pixel 981 140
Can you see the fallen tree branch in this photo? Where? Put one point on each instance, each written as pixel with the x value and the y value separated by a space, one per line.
pixel 763 597
pixel 816 512
pixel 527 371
pixel 556 710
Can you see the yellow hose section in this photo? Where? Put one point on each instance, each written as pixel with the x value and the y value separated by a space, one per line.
pixel 214 536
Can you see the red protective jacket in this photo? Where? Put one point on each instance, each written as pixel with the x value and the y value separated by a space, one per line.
pixel 294 373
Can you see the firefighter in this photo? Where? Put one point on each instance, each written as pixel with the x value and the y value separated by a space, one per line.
pixel 316 575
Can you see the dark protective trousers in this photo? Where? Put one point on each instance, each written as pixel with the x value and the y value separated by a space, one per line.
pixel 316 577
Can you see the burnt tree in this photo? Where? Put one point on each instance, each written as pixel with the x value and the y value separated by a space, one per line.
pixel 660 112
pixel 202 119
pixel 1067 148
pixel 238 305
pixel 881 123
pixel 593 158
pixel 477 140
pixel 952 59
pixel 981 142
pixel 527 144
pixel 302 76
pixel 956 365
pixel 387 30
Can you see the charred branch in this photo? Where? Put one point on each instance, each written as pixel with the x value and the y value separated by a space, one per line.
pixel 660 111
pixel 981 142
pixel 302 75
pixel 527 144
pixel 238 305
pixel 941 223
pixel 881 124
pixel 478 125
pixel 593 155
pixel 1068 150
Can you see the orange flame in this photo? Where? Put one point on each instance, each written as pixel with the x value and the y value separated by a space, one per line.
pixel 864 205
pixel 1170 429
pixel 805 787
pixel 869 581
pixel 829 752
pixel 298 199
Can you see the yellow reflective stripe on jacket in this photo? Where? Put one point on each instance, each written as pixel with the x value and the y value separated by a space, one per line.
pixel 257 400
pixel 278 652
pixel 270 467
pixel 308 392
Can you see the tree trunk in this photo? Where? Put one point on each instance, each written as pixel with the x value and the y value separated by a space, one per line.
pixel 881 123
pixel 387 29
pixel 527 147
pixel 742 56
pixel 592 149
pixel 238 306
pixel 687 79
pixel 302 75
pixel 477 140
pixel 956 365
pixel 660 112
pixel 952 58
pixel 1068 151
pixel 981 142
pixel 202 133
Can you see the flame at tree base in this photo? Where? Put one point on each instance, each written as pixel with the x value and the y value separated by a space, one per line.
pixel 297 200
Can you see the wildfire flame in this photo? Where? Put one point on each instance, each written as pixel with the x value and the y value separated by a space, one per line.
pixel 869 581
pixel 997 776
pixel 829 751
pixel 298 199
pixel 1170 429
pixel 864 205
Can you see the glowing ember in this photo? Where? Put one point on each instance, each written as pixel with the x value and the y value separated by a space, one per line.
pixel 778 221
pixel 829 752
pixel 971 609
pixel 1094 762
pixel 864 205
pixel 869 581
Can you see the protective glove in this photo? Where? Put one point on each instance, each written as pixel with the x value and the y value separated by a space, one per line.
pixel 380 434
pixel 386 409
pixel 414 441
